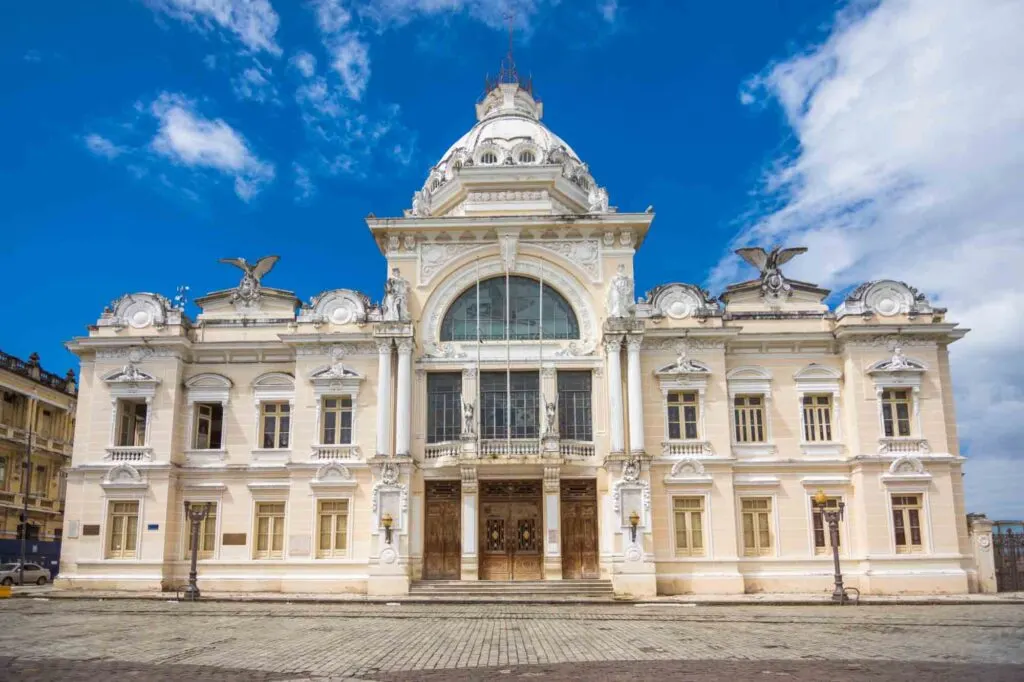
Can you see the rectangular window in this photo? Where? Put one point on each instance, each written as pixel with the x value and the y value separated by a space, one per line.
pixel 123 521
pixel 896 412
pixel 444 406
pixel 817 418
pixel 131 423
pixel 41 481
pixel 749 416
pixel 822 536
pixel 574 412
pixel 682 415
pixel 333 528
pixel 336 413
pixel 689 519
pixel 209 419
pixel 44 424
pixel 906 523
pixel 3 473
pixel 269 530
pixel 275 418
pixel 510 405
pixel 757 536
pixel 207 533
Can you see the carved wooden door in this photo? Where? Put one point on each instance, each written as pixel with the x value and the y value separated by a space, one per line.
pixel 510 528
pixel 579 530
pixel 442 548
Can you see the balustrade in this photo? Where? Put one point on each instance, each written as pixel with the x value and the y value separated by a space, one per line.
pixel 129 453
pixel 903 446
pixel 323 453
pixel 685 448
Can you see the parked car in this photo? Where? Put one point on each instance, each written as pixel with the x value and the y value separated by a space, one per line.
pixel 10 574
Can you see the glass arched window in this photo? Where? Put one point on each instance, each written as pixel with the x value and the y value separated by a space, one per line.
pixel 524 311
pixel 489 158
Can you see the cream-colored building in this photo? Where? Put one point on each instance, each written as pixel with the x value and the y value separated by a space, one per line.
pixel 511 404
pixel 39 407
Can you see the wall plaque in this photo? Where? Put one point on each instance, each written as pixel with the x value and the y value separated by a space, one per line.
pixel 91 529
pixel 233 539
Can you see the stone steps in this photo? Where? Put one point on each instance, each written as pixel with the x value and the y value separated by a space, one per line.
pixel 525 589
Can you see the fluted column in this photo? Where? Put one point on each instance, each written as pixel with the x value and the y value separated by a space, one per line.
pixel 613 349
pixel 384 397
pixel 636 396
pixel 403 398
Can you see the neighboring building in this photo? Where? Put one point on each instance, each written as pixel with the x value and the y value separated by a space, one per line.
pixel 36 403
pixel 512 409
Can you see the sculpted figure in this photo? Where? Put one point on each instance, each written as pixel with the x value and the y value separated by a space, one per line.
pixel 597 198
pixel 551 417
pixel 620 295
pixel 467 419
pixel 248 290
pixel 767 263
pixel 396 298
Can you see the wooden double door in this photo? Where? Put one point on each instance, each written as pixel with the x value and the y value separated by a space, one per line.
pixel 442 547
pixel 511 529
pixel 579 530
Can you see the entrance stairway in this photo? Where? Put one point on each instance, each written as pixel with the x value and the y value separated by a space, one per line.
pixel 514 591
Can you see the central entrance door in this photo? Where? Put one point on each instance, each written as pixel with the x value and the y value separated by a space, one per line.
pixel 579 530
pixel 510 530
pixel 442 549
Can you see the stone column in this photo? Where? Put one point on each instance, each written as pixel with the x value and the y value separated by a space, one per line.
pixel 383 397
pixel 984 557
pixel 636 395
pixel 613 349
pixel 403 398
pixel 552 524
pixel 470 554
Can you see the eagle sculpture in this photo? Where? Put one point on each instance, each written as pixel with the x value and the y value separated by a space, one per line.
pixel 248 289
pixel 767 263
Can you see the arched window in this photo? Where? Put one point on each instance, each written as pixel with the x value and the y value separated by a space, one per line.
pixel 527 156
pixel 523 321
pixel 488 158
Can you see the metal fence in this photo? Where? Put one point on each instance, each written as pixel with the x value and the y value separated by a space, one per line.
pixel 1008 543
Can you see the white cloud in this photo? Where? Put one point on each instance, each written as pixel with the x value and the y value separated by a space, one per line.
pixel 253 84
pixel 102 146
pixel 910 164
pixel 305 63
pixel 304 187
pixel 493 13
pixel 350 58
pixel 331 16
pixel 254 22
pixel 190 140
pixel 608 9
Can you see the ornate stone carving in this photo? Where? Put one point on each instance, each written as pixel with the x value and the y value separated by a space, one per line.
pixel 350 348
pixel 552 478
pixel 680 301
pixel 139 311
pixel 333 472
pixel 885 297
pixel 550 419
pixel 773 284
pixel 684 365
pixel 247 293
pixel 583 253
pixel 443 351
pixel 436 256
pixel 631 469
pixel 687 468
pixel 574 349
pixel 338 306
pixel 395 307
pixel 509 247
pixel 389 473
pixel 468 425
pixel 620 295
pixel 130 374
pixel 689 343
pixel 898 363
pixel 597 200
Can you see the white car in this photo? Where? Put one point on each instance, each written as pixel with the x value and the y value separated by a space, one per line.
pixel 11 575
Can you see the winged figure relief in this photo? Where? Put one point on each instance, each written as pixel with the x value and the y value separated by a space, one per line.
pixel 767 263
pixel 248 289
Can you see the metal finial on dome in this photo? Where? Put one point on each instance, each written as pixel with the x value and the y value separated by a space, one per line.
pixel 508 73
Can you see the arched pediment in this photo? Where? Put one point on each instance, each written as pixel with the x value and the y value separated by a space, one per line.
pixel 208 380
pixel 337 306
pixel 130 374
pixel 333 473
pixel 679 301
pixel 885 297
pixel 751 372
pixel 139 311
pixel 123 477
pixel 816 372
pixel 684 365
pixel 274 380
pixel 334 372
pixel 898 363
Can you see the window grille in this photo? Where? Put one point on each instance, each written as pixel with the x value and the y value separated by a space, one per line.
pixel 507 401
pixel 575 420
pixel 523 321
pixel 444 406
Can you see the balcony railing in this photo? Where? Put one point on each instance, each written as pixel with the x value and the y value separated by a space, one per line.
pixel 129 453
pixel 517 447
pixel 7 497
pixel 903 446
pixel 448 448
pixel 324 453
pixel 685 448
pixel 13 433
pixel 575 448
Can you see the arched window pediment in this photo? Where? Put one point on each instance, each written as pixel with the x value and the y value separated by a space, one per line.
pixel 516 316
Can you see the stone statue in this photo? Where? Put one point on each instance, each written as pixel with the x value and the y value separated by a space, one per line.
pixel 396 298
pixel 620 295
pixel 767 263
pixel 467 419
pixel 551 419
pixel 248 290
pixel 899 360
pixel 597 198
pixel 420 203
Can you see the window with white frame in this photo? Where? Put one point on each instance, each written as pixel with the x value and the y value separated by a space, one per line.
pixel 131 422
pixel 906 523
pixel 817 418
pixel 332 528
pixel 749 419
pixel 896 409
pixel 683 415
pixel 444 406
pixel 208 430
pixel 336 420
pixel 575 421
pixel 269 530
pixel 756 515
pixel 123 525
pixel 275 422
pixel 822 536
pixel 688 513
pixel 207 533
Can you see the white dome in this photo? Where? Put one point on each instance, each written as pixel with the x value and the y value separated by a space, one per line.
pixel 508 132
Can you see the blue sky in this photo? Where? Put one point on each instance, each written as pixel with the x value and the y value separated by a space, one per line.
pixel 146 139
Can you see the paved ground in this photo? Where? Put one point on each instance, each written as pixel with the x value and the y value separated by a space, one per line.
pixel 149 640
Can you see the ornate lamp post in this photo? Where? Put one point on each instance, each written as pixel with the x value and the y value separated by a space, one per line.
pixel 387 521
pixel 832 517
pixel 634 521
pixel 196 515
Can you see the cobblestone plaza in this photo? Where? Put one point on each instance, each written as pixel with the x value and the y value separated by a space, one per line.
pixel 69 640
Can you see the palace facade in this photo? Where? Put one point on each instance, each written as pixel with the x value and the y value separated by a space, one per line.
pixel 512 411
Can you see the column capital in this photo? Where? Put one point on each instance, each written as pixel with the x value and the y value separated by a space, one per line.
pixel 383 346
pixel 404 345
pixel 612 344
pixel 634 342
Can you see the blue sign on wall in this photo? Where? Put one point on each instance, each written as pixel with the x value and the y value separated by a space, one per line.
pixel 153 526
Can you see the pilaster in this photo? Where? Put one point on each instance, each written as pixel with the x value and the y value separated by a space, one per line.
pixel 613 350
pixel 403 398
pixel 552 524
pixel 635 394
pixel 470 519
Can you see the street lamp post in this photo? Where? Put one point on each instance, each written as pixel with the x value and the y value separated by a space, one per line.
pixel 196 515
pixel 832 518
pixel 27 488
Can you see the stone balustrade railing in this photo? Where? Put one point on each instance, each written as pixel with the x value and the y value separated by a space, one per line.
pixel 903 446
pixel 516 447
pixel 448 448
pixel 685 448
pixel 129 453
pixel 324 453
pixel 575 448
